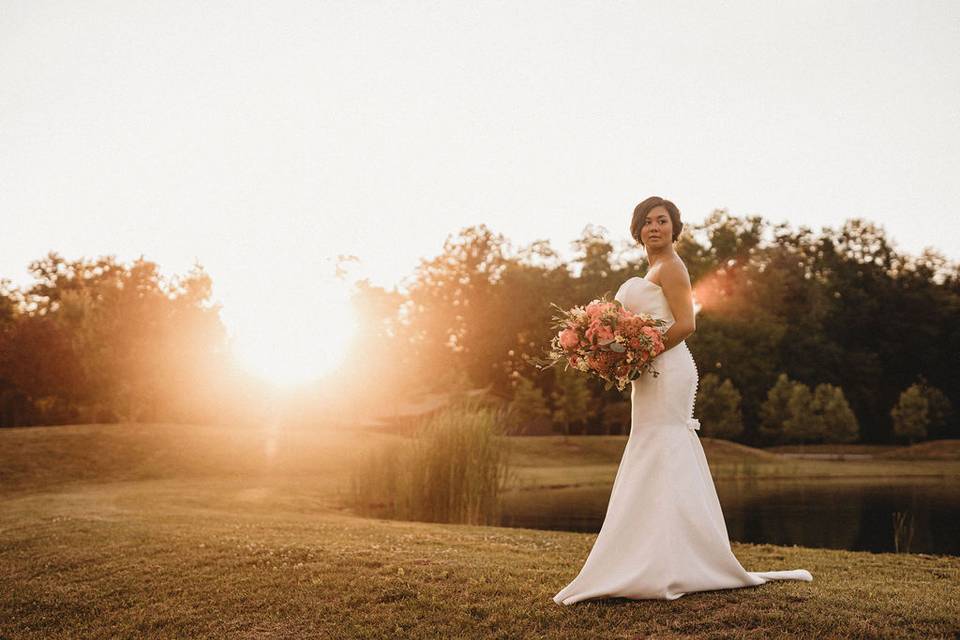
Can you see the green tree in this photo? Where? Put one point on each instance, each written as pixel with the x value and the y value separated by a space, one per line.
pixel 939 406
pixel 593 253
pixel 8 302
pixel 804 423
pixel 775 412
pixel 571 398
pixel 38 359
pixel 911 414
pixel 836 418
pixel 718 408
pixel 457 311
pixel 528 409
pixel 96 339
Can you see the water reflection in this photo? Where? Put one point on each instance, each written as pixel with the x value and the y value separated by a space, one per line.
pixel 850 513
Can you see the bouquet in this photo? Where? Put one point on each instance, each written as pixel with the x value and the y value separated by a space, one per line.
pixel 607 340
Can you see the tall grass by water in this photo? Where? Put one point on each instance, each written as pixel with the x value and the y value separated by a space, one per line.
pixel 454 468
pixel 903 530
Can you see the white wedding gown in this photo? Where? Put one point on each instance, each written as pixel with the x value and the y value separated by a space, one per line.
pixel 663 535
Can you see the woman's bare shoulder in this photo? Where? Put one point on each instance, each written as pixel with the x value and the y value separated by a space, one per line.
pixel 674 272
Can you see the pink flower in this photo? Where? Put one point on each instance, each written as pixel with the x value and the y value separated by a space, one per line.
pixel 594 309
pixel 569 339
pixel 598 331
pixel 651 333
pixel 603 361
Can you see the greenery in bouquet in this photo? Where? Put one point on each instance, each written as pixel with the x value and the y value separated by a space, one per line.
pixel 605 339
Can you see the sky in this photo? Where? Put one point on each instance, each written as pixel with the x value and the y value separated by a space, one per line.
pixel 264 139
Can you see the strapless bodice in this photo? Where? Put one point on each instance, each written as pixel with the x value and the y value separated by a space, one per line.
pixel 642 296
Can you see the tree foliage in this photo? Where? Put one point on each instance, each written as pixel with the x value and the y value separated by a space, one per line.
pixel 818 331
pixel 835 417
pixel 775 410
pixel 718 408
pixel 571 399
pixel 95 340
pixel 911 414
pixel 529 412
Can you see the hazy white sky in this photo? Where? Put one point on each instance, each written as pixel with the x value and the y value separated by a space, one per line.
pixel 265 138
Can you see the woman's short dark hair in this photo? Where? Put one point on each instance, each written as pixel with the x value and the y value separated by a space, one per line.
pixel 642 209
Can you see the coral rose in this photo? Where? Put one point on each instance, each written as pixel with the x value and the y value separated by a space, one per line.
pixel 569 339
pixel 599 331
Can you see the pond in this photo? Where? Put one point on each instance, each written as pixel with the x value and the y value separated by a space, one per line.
pixel 856 514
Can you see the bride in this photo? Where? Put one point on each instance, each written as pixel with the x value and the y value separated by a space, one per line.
pixel 663 535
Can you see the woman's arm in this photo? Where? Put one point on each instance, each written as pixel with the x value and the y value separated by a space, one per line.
pixel 675 283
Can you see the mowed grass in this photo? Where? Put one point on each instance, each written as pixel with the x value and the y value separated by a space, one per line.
pixel 205 532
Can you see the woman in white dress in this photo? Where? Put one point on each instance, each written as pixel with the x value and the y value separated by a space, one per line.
pixel 663 535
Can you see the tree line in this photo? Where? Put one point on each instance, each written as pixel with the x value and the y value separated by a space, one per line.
pixel 96 340
pixel 838 322
pixel 804 336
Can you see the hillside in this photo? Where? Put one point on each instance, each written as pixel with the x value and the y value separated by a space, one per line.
pixel 933 450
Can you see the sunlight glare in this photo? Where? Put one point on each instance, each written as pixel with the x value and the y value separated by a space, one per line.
pixel 296 338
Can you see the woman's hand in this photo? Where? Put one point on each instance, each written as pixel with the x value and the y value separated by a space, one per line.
pixel 675 283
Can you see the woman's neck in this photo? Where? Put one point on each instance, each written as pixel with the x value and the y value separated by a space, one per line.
pixel 655 257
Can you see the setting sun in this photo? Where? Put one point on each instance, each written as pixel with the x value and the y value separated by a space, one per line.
pixel 290 344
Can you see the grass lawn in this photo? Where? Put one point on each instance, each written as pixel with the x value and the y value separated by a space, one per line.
pixel 161 531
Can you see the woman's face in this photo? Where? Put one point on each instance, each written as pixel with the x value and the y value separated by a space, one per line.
pixel 657 229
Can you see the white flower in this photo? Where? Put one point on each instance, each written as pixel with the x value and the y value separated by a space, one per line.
pixel 693 424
